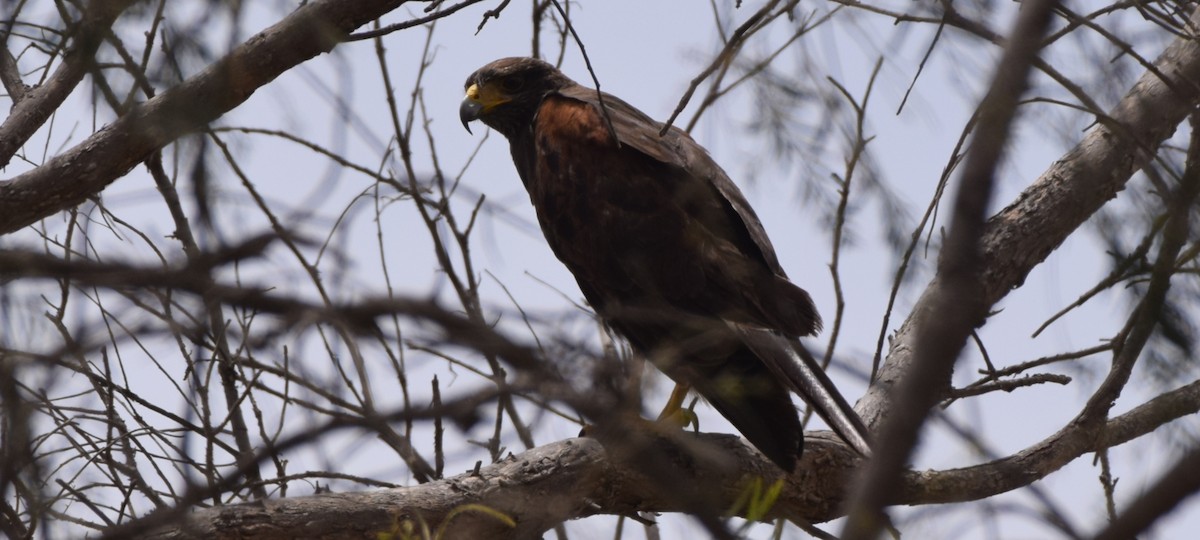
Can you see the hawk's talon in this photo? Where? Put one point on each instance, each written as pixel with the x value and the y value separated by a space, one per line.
pixel 681 418
pixel 673 413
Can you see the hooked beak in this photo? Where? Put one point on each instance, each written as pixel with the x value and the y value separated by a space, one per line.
pixel 469 110
pixel 480 100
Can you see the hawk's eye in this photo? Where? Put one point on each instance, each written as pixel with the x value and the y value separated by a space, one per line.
pixel 511 84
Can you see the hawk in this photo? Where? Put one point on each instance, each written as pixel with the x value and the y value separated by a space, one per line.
pixel 665 248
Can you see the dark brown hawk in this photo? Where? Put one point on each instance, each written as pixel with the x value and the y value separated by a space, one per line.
pixel 665 248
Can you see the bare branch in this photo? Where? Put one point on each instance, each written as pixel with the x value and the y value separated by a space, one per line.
pixel 1022 235
pixel 1049 455
pixel 1149 310
pixel 1182 481
pixel 32 108
pixel 11 77
pixel 86 169
pixel 547 485
pixel 1009 385
pixel 576 478
pixel 958 304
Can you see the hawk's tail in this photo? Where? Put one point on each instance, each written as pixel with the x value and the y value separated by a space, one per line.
pixel 789 360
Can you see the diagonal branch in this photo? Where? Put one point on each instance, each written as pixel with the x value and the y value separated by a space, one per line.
pixel 32 108
pixel 1048 455
pixel 959 303
pixel 1149 311
pixel 1021 236
pixel 83 171
pixel 11 77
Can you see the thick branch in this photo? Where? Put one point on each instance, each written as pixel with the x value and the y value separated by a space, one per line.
pixel 1049 455
pixel 577 478
pixel 81 172
pixel 1022 235
pixel 537 489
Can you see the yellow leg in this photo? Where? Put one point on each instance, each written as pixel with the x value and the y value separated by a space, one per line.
pixel 674 413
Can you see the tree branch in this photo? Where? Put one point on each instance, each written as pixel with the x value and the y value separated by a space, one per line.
pixel 595 484
pixel 1038 461
pixel 1177 484
pixel 32 108
pixel 1149 311
pixel 1022 235
pixel 537 489
pixel 576 478
pixel 959 302
pixel 83 171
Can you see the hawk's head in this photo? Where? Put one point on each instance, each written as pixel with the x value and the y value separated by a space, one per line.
pixel 506 93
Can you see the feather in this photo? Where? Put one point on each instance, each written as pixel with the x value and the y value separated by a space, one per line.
pixel 792 362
